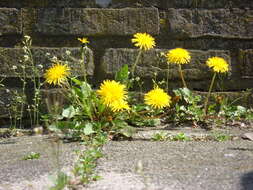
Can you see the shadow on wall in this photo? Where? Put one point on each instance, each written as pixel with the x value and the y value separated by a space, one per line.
pixel 103 3
pixel 247 181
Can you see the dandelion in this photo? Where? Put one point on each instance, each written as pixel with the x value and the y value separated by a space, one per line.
pixel 143 41
pixel 111 91
pixel 57 74
pixel 179 56
pixel 157 98
pixel 83 40
pixel 120 105
pixel 219 65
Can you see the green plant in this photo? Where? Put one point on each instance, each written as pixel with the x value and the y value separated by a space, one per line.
pixel 180 137
pixel 32 156
pixel 218 136
pixel 188 107
pixel 60 182
pixel 161 136
pixel 86 163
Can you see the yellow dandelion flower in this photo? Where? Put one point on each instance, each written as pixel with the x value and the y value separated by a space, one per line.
pixel 111 91
pixel 218 64
pixel 57 74
pixel 120 105
pixel 143 41
pixel 83 40
pixel 178 56
pixel 157 98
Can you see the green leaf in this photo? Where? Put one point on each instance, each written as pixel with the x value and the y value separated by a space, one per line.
pixel 88 129
pixel 122 75
pixel 86 89
pixel 69 112
pixel 127 131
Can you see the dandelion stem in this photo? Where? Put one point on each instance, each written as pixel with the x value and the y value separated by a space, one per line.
pixel 167 80
pixel 83 63
pixel 135 63
pixel 208 95
pixel 181 75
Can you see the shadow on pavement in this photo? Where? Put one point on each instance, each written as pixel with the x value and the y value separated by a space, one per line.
pixel 8 142
pixel 247 181
pixel 241 149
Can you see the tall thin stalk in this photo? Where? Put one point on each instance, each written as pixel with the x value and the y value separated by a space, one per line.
pixel 209 94
pixel 83 51
pixel 181 75
pixel 135 63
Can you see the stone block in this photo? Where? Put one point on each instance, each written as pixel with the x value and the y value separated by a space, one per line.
pixel 152 62
pixel 11 60
pixel 11 3
pixel 10 21
pixel 246 63
pixel 210 4
pixel 59 3
pixel 224 23
pixel 92 22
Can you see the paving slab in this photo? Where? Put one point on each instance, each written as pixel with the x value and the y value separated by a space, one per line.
pixel 19 174
pixel 139 165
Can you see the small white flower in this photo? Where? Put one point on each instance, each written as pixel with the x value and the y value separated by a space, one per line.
pixel 14 67
pixel 68 52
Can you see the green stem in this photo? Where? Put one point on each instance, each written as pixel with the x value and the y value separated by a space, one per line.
pixel 135 63
pixel 167 80
pixel 209 94
pixel 83 64
pixel 181 75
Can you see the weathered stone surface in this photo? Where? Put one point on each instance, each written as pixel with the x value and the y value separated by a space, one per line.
pixel 205 3
pixel 10 60
pixel 226 23
pixel 152 62
pixel 11 3
pixel 10 21
pixel 246 63
pixel 60 3
pixel 91 22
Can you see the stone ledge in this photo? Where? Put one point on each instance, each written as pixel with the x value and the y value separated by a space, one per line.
pixel 221 23
pixel 151 62
pixel 10 57
pixel 10 21
pixel 91 22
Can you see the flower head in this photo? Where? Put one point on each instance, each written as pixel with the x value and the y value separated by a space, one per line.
pixel 119 105
pixel 157 98
pixel 144 41
pixel 218 64
pixel 111 91
pixel 83 40
pixel 57 74
pixel 178 56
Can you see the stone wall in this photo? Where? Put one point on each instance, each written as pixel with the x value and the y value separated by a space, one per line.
pixel 204 27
